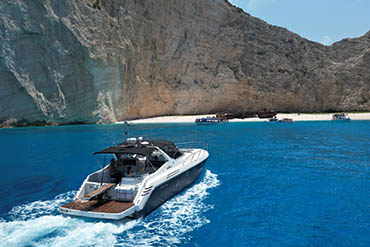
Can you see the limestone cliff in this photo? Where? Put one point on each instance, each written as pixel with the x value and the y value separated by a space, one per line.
pixel 106 60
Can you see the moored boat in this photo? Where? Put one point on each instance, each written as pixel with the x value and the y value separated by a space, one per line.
pixel 142 175
pixel 286 120
pixel 274 120
pixel 210 120
pixel 340 117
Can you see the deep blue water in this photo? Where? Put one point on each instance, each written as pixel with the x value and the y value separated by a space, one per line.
pixel 301 184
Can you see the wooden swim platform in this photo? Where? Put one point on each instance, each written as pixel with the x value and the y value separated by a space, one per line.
pixel 96 205
pixel 99 206
pixel 113 207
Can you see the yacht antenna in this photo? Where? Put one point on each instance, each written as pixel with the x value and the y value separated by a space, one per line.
pixel 126 126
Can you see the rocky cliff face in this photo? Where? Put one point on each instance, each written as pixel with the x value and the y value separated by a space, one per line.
pixel 106 60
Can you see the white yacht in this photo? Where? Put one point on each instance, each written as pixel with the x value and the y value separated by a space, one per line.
pixel 340 117
pixel 210 120
pixel 142 175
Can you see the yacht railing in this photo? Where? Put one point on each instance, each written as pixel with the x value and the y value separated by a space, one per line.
pixel 192 144
pixel 192 156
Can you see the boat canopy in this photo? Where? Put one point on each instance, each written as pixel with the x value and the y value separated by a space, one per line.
pixel 127 150
pixel 168 147
pixel 143 147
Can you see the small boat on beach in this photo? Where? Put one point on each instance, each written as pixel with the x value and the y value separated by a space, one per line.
pixel 340 117
pixel 266 114
pixel 141 176
pixel 210 120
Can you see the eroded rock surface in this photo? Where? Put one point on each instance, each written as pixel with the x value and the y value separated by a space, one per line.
pixel 67 61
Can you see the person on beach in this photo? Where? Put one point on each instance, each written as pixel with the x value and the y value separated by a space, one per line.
pixel 114 172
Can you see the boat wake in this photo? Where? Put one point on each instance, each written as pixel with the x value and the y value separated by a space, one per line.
pixel 39 223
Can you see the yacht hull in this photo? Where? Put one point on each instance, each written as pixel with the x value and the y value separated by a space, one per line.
pixel 170 188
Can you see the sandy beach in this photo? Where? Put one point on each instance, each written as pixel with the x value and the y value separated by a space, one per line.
pixel 294 116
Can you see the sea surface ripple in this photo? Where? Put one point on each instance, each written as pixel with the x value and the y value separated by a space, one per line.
pixel 301 184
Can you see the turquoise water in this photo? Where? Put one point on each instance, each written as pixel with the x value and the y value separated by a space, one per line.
pixel 301 184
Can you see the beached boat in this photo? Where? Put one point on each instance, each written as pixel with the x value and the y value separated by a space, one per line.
pixel 340 117
pixel 266 114
pixel 210 120
pixel 142 175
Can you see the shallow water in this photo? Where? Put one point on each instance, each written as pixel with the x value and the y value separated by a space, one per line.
pixel 301 184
